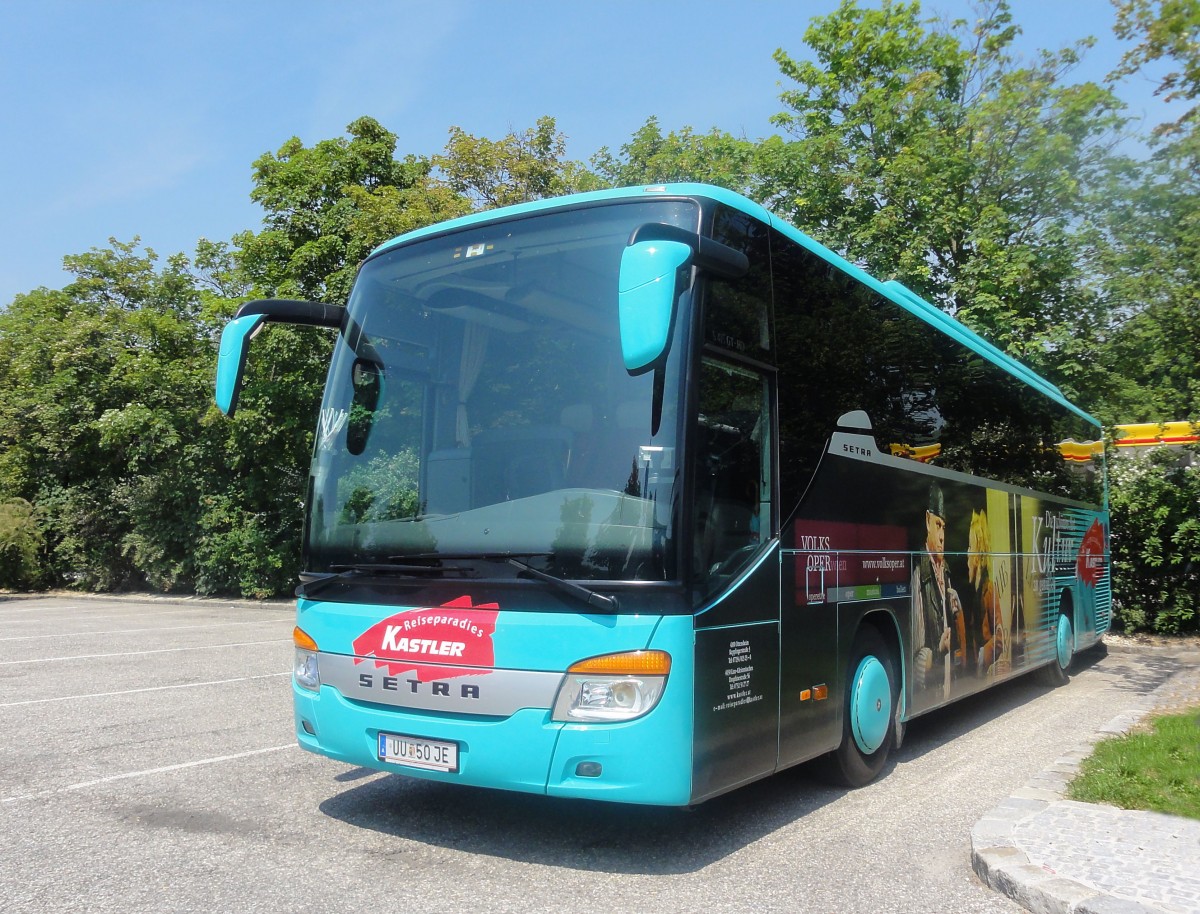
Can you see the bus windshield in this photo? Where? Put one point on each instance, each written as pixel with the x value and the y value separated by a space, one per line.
pixel 478 405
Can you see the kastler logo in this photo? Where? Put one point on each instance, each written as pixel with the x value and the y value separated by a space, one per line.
pixel 458 633
pixel 1089 564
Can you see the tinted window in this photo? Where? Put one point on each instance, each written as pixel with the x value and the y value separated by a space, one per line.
pixel 737 313
pixel 732 467
pixel 842 347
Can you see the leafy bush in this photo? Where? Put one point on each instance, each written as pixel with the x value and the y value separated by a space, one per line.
pixel 253 555
pixel 83 528
pixel 20 544
pixel 1155 502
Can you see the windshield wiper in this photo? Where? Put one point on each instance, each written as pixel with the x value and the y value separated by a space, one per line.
pixel 469 556
pixel 413 566
pixel 578 591
pixel 341 573
pixel 390 567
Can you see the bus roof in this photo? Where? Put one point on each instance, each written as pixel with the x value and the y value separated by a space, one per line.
pixel 892 290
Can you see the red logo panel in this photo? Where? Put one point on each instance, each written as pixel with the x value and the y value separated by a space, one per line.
pixel 838 554
pixel 1089 564
pixel 457 633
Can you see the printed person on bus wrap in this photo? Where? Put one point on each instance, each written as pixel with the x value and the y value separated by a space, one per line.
pixel 936 607
pixel 992 634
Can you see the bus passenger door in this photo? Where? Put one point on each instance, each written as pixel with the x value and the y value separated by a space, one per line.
pixel 735 577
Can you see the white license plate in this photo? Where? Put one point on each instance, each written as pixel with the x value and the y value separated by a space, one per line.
pixel 417 752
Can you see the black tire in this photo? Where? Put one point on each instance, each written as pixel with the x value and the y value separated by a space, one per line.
pixel 899 728
pixel 1058 671
pixel 868 727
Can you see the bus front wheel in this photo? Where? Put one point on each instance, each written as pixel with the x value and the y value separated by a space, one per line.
pixel 868 712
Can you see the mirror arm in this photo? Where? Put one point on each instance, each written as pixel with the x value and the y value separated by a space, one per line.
pixel 656 403
pixel 290 311
pixel 710 256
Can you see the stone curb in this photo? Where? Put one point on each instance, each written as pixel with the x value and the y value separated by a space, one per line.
pixel 1002 865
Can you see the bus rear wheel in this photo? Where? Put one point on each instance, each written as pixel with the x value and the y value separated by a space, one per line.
pixel 1057 671
pixel 868 713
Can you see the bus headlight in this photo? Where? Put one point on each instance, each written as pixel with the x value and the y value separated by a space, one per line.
pixel 613 687
pixel 304 667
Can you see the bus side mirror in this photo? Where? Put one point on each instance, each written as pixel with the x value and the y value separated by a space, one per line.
pixel 646 295
pixel 231 360
pixel 235 338
pixel 366 379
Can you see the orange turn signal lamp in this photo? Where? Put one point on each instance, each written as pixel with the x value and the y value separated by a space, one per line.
pixel 627 663
pixel 303 640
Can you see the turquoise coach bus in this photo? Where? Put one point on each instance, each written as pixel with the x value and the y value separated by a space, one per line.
pixel 642 495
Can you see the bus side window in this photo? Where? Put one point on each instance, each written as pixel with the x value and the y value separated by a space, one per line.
pixel 737 313
pixel 732 472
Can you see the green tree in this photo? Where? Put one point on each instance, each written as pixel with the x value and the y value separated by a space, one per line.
pixel 1164 30
pixel 933 155
pixel 102 386
pixel 107 427
pixel 1150 263
pixel 1149 254
pixel 517 168
pixel 251 513
pixel 311 244
pixel 650 157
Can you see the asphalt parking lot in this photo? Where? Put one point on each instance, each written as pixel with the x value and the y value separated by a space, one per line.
pixel 149 765
pixel 106 691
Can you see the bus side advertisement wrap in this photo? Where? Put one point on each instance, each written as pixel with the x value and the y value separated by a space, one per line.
pixel 986 567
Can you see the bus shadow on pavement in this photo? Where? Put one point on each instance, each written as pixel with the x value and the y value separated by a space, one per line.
pixel 583 835
pixel 943 725
pixel 588 835
pixel 593 836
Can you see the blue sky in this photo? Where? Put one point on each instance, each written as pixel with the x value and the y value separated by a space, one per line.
pixel 142 117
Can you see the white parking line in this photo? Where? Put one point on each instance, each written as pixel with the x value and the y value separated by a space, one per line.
pixel 182 685
pixel 137 607
pixel 126 609
pixel 7 610
pixel 137 631
pixel 138 774
pixel 164 650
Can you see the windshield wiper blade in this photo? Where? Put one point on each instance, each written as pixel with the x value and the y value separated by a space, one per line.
pixel 469 556
pixel 398 568
pixel 578 591
pixel 341 573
